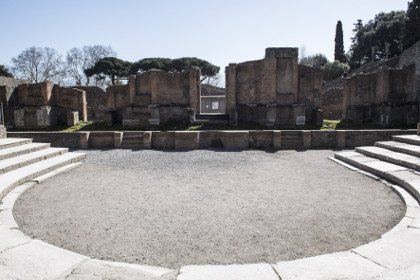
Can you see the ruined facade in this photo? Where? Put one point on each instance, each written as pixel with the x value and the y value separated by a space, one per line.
pixel 46 104
pixel 385 93
pixel 275 91
pixel 156 98
pixel 8 87
pixel 213 100
pixel 386 97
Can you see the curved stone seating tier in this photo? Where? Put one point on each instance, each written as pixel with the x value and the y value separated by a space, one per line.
pixel 396 255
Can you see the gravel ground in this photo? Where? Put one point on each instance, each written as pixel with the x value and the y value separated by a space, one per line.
pixel 208 207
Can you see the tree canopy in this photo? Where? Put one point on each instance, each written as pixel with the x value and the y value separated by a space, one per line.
pixel 412 27
pixel 380 38
pixel 111 67
pixel 208 70
pixel 334 70
pixel 317 60
pixel 4 72
pixel 39 65
pixel 339 43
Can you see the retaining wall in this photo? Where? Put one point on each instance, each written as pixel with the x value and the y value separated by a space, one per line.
pixel 231 140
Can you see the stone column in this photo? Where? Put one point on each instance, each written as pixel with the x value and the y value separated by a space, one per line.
pixel 231 93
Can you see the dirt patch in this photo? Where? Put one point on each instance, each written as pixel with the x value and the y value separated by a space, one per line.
pixel 208 207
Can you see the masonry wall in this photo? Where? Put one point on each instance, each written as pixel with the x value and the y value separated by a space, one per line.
pixel 46 104
pixel 332 103
pixel 412 57
pixel 156 98
pixel 97 102
pixel 383 97
pixel 275 91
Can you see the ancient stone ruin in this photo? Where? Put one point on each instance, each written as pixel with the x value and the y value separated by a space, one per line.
pixel 274 91
pixel 385 93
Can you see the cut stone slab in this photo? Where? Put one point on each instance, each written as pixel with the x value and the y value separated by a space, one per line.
pixel 9 200
pixel 228 272
pixel 38 260
pixel 12 142
pixel 396 251
pixel 411 273
pixel 96 269
pixel 400 147
pixel 22 149
pixel 342 265
pixel 13 163
pixel 405 160
pixel 10 238
pixel 408 179
pixel 410 139
pixel 16 177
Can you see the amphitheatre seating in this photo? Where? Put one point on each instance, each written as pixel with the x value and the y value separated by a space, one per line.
pixel 396 255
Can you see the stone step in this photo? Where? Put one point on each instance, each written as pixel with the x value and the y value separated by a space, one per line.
pixel 13 163
pixel 409 139
pixel 22 149
pixel 13 142
pixel 132 146
pixel 11 179
pixel 400 147
pixel 132 141
pixel 401 159
pixel 133 133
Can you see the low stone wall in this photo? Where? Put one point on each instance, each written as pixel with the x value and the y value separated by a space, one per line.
pixel 230 140
pixel 2 132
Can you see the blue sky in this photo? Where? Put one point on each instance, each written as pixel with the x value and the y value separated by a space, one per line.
pixel 220 31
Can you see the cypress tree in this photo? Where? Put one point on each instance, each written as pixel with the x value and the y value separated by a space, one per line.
pixel 339 43
pixel 412 26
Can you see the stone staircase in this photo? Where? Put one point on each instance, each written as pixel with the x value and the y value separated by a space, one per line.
pixel 132 140
pixel 22 161
pixel 212 118
pixel 397 161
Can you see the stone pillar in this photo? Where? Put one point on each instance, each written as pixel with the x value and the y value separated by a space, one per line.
pixel 277 139
pixel 231 94
pixel 84 140
pixel 19 117
pixel 340 138
pixel 83 106
pixel 306 136
pixel 319 117
pixel 195 89
pixel 2 132
pixel 118 136
pixel 72 118
pixel 132 88
pixel 147 140
pixel 43 116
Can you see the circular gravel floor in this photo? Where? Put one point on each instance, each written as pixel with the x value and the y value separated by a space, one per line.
pixel 208 207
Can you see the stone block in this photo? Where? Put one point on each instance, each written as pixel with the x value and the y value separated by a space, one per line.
pixel 72 118
pixel 235 140
pixel 147 139
pixel 186 140
pixel 306 137
pixel 418 128
pixel 19 117
pixel 131 123
pixel 118 137
pixel 228 272
pixel 84 139
pixel 163 140
pixel 43 116
pixel 340 138
pixel 261 139
pixel 99 139
pixel 209 139
pixel 277 139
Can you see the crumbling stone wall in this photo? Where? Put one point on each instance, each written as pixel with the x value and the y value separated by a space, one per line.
pixel 156 98
pixel 7 96
pixel 47 104
pixel 97 102
pixel 274 91
pixel 384 97
pixel 332 103
pixel 412 57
